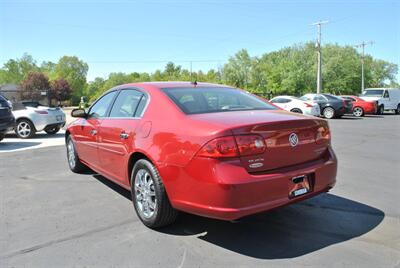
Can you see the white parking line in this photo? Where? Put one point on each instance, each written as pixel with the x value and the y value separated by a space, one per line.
pixel 12 143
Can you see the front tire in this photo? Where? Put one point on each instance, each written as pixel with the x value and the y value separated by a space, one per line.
pixel 381 109
pixel 52 131
pixel 329 113
pixel 2 136
pixel 75 165
pixel 25 129
pixel 149 196
pixel 397 111
pixel 358 111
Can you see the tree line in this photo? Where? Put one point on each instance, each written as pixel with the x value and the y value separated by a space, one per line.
pixel 290 71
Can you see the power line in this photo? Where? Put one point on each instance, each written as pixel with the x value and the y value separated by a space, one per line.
pixel 362 45
pixel 319 69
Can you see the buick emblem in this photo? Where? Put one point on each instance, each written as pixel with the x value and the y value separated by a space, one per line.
pixel 293 139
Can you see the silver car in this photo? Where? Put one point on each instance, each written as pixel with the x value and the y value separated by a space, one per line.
pixel 32 117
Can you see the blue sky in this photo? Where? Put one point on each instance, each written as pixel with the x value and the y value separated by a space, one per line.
pixel 141 36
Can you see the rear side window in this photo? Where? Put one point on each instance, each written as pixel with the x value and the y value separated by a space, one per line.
pixel 126 103
pixel 214 99
pixel 281 100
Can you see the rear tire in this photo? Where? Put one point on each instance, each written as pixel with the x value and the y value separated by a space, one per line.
pixel 75 165
pixel 296 110
pixel 149 196
pixel 328 112
pixel 2 136
pixel 358 111
pixel 397 111
pixel 52 131
pixel 25 129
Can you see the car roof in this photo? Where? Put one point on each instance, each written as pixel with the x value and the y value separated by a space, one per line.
pixel 285 96
pixel 170 84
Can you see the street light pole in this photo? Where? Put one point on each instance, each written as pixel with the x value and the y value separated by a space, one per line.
pixel 319 69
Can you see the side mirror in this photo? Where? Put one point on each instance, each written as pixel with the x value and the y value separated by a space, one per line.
pixel 81 113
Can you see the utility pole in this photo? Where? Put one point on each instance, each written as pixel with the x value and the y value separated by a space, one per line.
pixel 318 45
pixel 191 71
pixel 362 45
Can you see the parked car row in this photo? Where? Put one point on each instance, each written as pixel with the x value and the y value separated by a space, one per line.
pixel 28 117
pixel 371 101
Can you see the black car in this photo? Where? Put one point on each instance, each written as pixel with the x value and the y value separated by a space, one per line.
pixel 7 120
pixel 331 106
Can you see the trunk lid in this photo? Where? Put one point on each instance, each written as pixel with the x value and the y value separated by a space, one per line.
pixel 279 130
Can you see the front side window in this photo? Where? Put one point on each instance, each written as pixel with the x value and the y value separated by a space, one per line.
pixel 100 108
pixel 126 103
pixel 199 100
pixel 386 94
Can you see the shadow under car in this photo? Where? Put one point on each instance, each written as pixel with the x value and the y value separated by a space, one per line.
pixel 286 232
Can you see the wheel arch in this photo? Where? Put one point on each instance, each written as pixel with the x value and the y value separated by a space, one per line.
pixel 26 118
pixel 133 158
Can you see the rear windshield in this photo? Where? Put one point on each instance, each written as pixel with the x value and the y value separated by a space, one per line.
pixel 373 93
pixel 215 99
pixel 331 97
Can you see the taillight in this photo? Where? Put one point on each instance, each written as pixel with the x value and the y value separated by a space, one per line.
pixel 219 148
pixel 307 104
pixel 250 144
pixel 233 146
pixel 323 135
pixel 41 112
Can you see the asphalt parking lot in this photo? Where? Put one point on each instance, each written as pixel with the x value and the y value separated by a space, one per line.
pixel 51 217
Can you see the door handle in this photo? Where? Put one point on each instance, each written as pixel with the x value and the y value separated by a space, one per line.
pixel 124 135
pixel 93 132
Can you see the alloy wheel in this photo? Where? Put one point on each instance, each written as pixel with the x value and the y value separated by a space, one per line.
pixel 24 129
pixel 358 111
pixel 329 113
pixel 71 154
pixel 145 194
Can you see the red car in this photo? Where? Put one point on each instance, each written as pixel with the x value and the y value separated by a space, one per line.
pixel 360 106
pixel 205 149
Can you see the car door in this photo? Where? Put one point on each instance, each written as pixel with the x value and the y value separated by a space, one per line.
pixel 117 135
pixel 85 134
pixel 392 100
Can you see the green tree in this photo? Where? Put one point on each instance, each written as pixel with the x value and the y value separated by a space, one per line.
pixel 15 71
pixel 73 70
pixel 237 71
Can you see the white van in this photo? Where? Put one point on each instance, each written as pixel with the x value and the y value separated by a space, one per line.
pixel 387 98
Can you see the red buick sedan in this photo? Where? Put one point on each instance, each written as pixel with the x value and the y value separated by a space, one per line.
pixel 206 149
pixel 360 106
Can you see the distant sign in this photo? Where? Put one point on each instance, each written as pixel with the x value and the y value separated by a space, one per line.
pixel 43 93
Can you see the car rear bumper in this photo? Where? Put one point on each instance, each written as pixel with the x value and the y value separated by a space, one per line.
pixel 225 190
pixel 43 121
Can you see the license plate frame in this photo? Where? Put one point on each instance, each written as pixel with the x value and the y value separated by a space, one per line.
pixel 300 185
pixel 59 118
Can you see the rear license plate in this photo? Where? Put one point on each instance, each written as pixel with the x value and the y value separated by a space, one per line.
pixel 59 118
pixel 299 185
